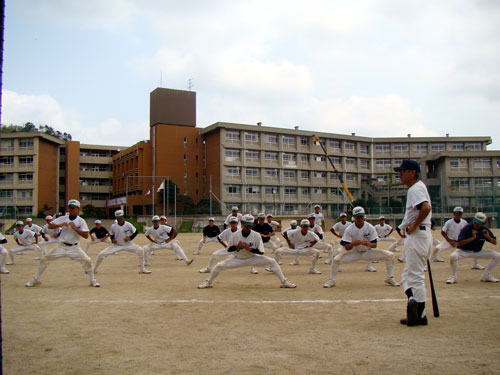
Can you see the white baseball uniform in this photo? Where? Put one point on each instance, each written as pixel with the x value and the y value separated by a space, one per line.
pixel 120 233
pixel 3 255
pixel 159 236
pixel 319 218
pixel 303 244
pixel 50 236
pixel 452 230
pixel 68 247
pixel 276 227
pixel 238 215
pixel 27 241
pixel 383 235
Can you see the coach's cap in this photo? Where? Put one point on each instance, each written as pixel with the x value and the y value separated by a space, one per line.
pixel 317 206
pixel 211 219
pixel 119 214
pixel 304 223
pixel 458 209
pixel 293 222
pixel 234 208
pixel 29 220
pixel 48 217
pixel 233 219
pixel 381 218
pixel 73 203
pixel 358 211
pixel 408 165
pixel 269 215
pixel 343 214
pixel 261 215
pixel 249 219
pixel 480 218
pixel 19 222
pixel 155 218
pixel 162 217
pixel 97 222
pixel 311 216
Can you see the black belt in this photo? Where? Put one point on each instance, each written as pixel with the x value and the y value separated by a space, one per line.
pixel 70 244
pixel 422 227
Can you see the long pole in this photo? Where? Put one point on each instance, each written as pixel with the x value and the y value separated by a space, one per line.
pixel 210 195
pixel 168 183
pixel 164 197
pixel 175 205
pixel 126 195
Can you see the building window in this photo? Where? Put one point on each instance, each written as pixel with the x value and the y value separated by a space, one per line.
pixel 334 175
pixel 482 163
pixel 253 189
pixel 233 189
pixel 185 176
pixel 304 141
pixel 271 139
pixel 102 154
pixel 457 147
pixel 271 190
pixel 233 171
pixel 232 136
pixel 6 161
pixel 288 140
pixel 8 178
pixel 25 210
pixel 498 163
pixel 251 137
pixel 84 152
pixel 290 209
pixel 364 164
pixel 271 156
pixel 290 159
pixel 25 160
pixel 381 177
pixel 335 160
pixel 252 172
pixel 304 174
pixel 320 190
pixel 319 158
pixel 304 158
pixel 6 194
pixel 363 149
pixel 25 177
pixel 336 191
pixel 350 177
pixel 420 147
pixel 474 146
pixel 185 159
pixel 7 145
pixel 349 146
pixel 185 142
pixel 350 162
pixel 335 144
pixel 319 174
pixel 459 183
pixel 397 162
pixel 383 147
pixel 290 191
pixel 271 173
pixel 483 182
pixel 253 155
pixel 289 175
pixel 459 163
pixel 438 147
pixel 383 163
pixel 26 143
pixel 401 147
pixel 305 191
pixel 232 155
pixel 25 194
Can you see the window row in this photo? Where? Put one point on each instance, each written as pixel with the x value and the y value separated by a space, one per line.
pixel 287 173
pixel 21 177
pixel 20 194
pixel 9 144
pixel 276 190
pixel 424 147
pixel 8 161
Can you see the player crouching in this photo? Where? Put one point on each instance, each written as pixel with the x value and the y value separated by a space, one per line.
pixel 360 241
pixel 247 248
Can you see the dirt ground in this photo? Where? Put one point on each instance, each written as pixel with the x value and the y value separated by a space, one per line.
pixel 162 324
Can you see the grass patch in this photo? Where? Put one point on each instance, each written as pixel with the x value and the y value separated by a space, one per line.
pixel 186 227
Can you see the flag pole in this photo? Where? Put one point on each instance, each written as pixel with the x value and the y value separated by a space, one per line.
pixel 168 183
pixel 175 205
pixel 164 213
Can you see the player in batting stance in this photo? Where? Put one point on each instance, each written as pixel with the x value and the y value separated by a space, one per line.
pixel 163 237
pixel 248 250
pixel 72 228
pixel 210 233
pixel 122 234
pixel 418 243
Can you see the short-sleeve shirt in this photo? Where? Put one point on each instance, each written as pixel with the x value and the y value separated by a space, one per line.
pixel 319 218
pixel 68 235
pixel 417 194
pixel 301 241
pixel 254 241
pixel 120 232
pixel 226 234
pixel 160 234
pixel 274 224
pixel 365 233
pixel 340 228
pixel 263 229
pixel 382 230
pixel 50 232
pixel 476 245
pixel 99 233
pixel 317 229
pixel 34 228
pixel 453 229
pixel 239 216
pixel 211 231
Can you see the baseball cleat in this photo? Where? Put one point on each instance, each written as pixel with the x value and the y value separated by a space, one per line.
pixel 268 269
pixel 293 263
pixel 314 271
pixel 401 260
pixel 205 270
pixel 287 284
pixel 9 263
pixel 391 281
pixel 477 267
pixel 329 284
pixel 370 269
pixel 489 279
pixel 32 283
pixel 95 284
pixel 328 261
pixel 196 253
pixel 145 271
pixel 188 263
pixel 37 258
pixel 205 285
pixel 438 260
pixel 253 271
pixel 4 270
pixel 420 322
pixel 412 312
pixel 451 280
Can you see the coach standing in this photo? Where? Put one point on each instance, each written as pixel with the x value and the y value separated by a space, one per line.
pixel 417 226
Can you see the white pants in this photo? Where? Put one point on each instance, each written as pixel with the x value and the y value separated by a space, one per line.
pixel 18 249
pixel 483 254
pixel 207 240
pixel 43 244
pixel 320 245
pixel 276 241
pixel 445 245
pixel 256 260
pixel 130 246
pixel 392 240
pixel 64 251
pixel 350 256
pixel 172 245
pixel 3 256
pixel 298 252
pixel 418 247
pixel 95 242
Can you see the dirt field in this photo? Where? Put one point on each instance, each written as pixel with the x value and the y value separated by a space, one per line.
pixel 162 324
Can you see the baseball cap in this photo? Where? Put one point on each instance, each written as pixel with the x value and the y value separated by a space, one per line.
pixel 162 217
pixel 211 219
pixel 311 216
pixel 408 165
pixel 317 206
pixel 480 218
pixel 233 219
pixel 97 222
pixel 304 223
pixel 48 217
pixel 358 211
pixel 249 219
pixel 269 215
pixel 73 203
pixel 155 218
pixel 29 220
pixel 343 214
pixel 19 222
pixel 381 218
pixel 234 208
pixel 293 222
pixel 458 209
pixel 119 214
pixel 262 215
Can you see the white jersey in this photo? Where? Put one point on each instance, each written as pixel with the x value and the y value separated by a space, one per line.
pixel 317 230
pixel 52 233
pixel 289 229
pixel 239 216
pixel 301 241
pixel 2 238
pixel 382 230
pixel 274 224
pixel 68 235
pixel 26 238
pixel 254 241
pixel 417 194
pixel 120 232
pixel 226 234
pixel 34 228
pixel 319 218
pixel 160 234
pixel 452 228
pixel 365 233
pixel 340 228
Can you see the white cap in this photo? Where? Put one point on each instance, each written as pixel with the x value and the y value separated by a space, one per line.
pixel 233 219
pixel 211 219
pixel 458 209
pixel 48 217
pixel 269 215
pixel 311 216
pixel 234 208
pixel 293 222
pixel 74 202
pixel 163 217
pixel 19 222
pixel 29 219
pixel 119 214
pixel 97 222
pixel 155 218
pixel 343 214
pixel 261 215
pixel 480 217
pixel 358 211
pixel 317 206
pixel 381 218
pixel 249 219
pixel 304 223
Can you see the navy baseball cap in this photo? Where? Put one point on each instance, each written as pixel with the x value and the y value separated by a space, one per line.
pixel 408 165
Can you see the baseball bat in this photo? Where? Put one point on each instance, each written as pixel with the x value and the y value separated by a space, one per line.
pixel 435 307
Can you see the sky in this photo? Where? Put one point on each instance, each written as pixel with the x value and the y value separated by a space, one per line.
pixel 377 68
